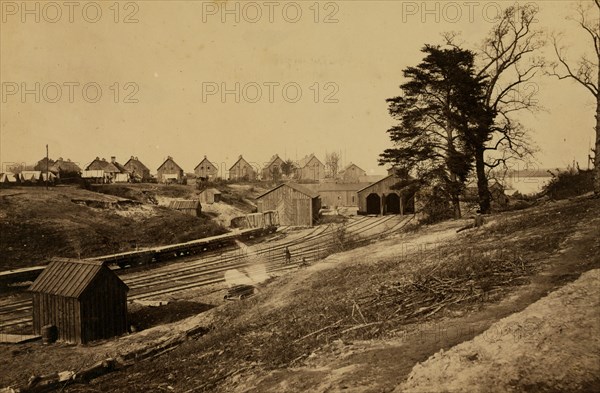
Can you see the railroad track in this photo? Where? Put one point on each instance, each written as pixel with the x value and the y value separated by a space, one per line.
pixel 211 268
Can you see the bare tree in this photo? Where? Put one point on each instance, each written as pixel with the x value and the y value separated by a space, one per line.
pixel 507 60
pixel 585 71
pixel 332 162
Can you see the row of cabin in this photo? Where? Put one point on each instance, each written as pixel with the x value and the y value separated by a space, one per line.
pixel 100 170
pixel 309 168
pixel 103 171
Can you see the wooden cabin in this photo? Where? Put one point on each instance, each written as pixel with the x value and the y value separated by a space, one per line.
pixel 295 204
pixel 272 170
pixel 169 172
pixel 84 299
pixel 310 168
pixel 206 170
pixel 242 170
pixel 351 174
pixel 137 169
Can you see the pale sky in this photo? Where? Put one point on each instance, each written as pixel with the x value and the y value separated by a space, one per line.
pixel 179 52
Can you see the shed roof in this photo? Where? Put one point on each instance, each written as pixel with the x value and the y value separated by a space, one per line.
pixel 213 191
pixel 184 204
pixel 381 180
pixel 329 187
pixel 300 188
pixel 378 181
pixel 69 277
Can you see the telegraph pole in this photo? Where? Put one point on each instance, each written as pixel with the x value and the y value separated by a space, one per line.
pixel 47 165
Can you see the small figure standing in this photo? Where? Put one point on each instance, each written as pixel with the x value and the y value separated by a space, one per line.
pixel 478 221
pixel 288 255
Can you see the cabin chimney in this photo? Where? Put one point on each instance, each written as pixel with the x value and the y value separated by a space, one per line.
pixel 113 159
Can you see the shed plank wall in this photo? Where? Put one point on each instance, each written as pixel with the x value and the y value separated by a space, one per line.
pixel 294 207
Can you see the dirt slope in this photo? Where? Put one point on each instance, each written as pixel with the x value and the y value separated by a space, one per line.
pixel 327 329
pixel 37 224
pixel 552 345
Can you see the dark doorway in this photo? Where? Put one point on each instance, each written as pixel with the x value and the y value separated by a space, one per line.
pixel 373 204
pixel 392 204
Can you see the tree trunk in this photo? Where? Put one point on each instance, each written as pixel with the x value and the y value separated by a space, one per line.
pixel 482 182
pixel 456 206
pixel 597 152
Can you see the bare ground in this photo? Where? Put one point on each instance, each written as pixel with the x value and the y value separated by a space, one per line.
pixel 307 332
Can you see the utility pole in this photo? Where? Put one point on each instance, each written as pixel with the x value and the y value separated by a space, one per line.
pixel 47 165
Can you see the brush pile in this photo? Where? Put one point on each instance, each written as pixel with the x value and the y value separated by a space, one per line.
pixel 475 277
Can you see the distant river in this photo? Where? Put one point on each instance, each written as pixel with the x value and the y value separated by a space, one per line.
pixel 525 185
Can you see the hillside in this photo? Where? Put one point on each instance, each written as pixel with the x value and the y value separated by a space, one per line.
pixel 37 224
pixel 363 319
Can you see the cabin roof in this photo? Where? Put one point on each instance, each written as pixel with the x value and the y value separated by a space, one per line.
pixel 69 277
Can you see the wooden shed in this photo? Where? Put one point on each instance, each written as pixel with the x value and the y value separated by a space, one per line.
pixel 84 299
pixel 338 194
pixel 295 204
pixel 210 195
pixel 189 207
pixel 379 198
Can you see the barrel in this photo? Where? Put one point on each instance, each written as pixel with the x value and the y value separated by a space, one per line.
pixel 49 334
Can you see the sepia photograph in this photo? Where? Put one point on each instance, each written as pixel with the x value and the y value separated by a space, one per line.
pixel 299 196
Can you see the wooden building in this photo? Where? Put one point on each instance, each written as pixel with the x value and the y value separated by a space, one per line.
pixel 206 170
pixel 137 169
pixel 210 195
pixel 169 172
pixel 351 174
pixel 272 170
pixel 242 170
pixel 295 204
pixel 379 198
pixel 84 299
pixel 110 168
pixel 65 168
pixel 310 168
pixel 43 164
pixel 338 194
pixel 186 206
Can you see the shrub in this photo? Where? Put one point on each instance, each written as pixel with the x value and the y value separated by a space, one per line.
pixel 569 183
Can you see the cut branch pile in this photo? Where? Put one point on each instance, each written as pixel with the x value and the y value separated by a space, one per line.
pixel 430 290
